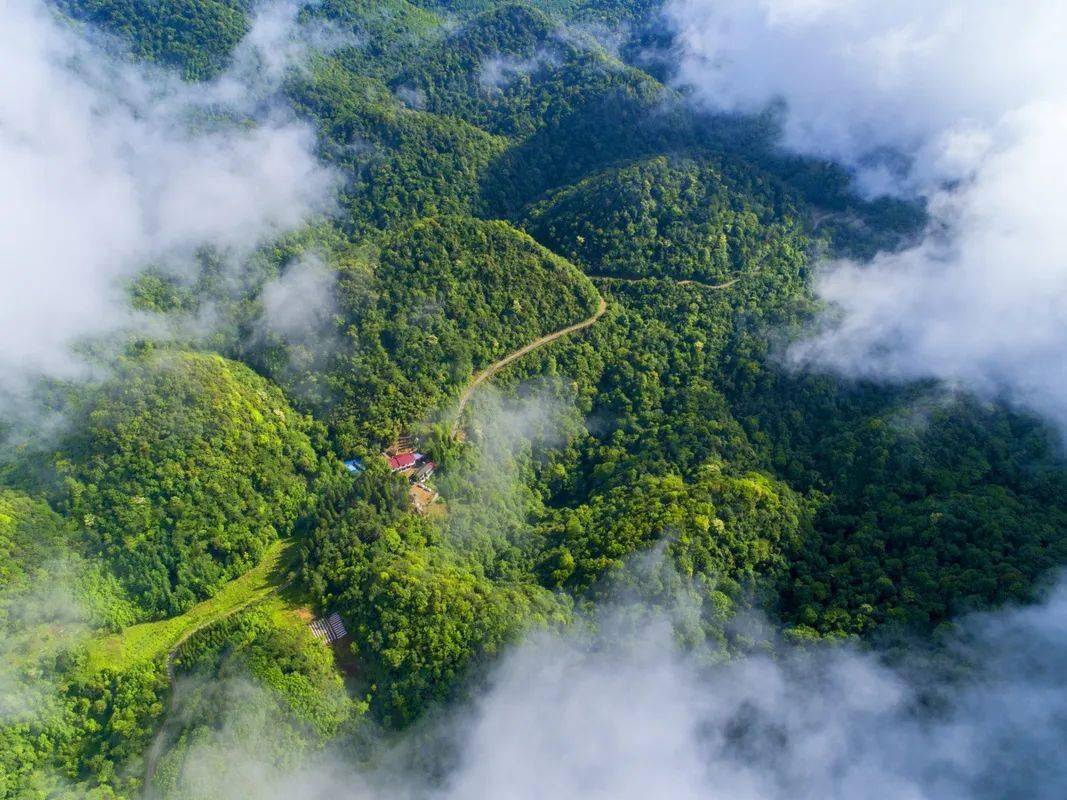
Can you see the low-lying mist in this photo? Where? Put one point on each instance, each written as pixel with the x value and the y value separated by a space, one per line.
pixel 110 166
pixel 614 709
pixel 959 104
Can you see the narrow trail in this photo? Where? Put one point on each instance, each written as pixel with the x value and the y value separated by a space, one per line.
pixel 683 282
pixel 160 739
pixel 495 367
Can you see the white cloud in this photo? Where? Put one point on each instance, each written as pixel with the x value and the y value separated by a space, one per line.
pixel 299 304
pixel 107 165
pixel 858 75
pixel 985 307
pixel 581 716
pixel 411 97
pixel 972 95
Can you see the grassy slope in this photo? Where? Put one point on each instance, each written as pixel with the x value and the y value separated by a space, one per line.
pixel 152 640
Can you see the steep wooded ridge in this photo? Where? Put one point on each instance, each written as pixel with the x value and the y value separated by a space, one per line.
pixel 481 377
pixel 523 206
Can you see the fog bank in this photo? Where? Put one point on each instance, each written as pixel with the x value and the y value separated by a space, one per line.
pixel 582 716
pixel 110 165
pixel 963 105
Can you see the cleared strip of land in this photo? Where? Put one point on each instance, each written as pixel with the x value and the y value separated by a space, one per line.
pixel 151 640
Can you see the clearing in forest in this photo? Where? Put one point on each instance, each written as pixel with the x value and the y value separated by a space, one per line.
pixel 150 640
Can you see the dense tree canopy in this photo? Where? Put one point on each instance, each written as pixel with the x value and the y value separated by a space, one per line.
pixel 444 297
pixel 196 36
pixel 675 218
pixel 420 613
pixel 183 468
pixel 31 535
pixel 505 173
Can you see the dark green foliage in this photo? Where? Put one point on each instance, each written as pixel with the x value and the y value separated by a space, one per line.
pixel 615 12
pixel 481 72
pixel 631 120
pixel 856 227
pixel 420 615
pixel 388 33
pixel 196 36
pixel 446 297
pixel 182 469
pixel 926 508
pixel 701 220
pixel 514 70
pixel 931 507
pixel 404 163
pixel 688 466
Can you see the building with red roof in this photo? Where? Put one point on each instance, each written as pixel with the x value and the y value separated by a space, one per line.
pixel 401 461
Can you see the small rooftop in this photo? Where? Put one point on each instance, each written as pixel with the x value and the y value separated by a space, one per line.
pixel 330 628
pixel 402 461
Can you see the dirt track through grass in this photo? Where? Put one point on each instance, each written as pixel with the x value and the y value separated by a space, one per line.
pixel 150 640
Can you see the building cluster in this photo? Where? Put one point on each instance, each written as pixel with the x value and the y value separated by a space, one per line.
pixel 404 459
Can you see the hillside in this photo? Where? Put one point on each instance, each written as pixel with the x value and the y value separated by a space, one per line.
pixel 675 218
pixel 556 295
pixel 445 297
pixel 183 469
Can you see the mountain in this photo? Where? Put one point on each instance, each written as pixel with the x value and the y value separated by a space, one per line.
pixel 564 292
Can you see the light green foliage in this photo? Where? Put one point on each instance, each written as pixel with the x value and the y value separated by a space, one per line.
pixel 47 582
pixel 730 530
pixel 256 688
pixel 31 535
pixel 150 641
pixel 84 738
pixel 271 646
pixel 184 469
pixel 697 550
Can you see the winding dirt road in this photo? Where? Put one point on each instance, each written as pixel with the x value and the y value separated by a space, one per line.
pixel 496 366
pixel 683 282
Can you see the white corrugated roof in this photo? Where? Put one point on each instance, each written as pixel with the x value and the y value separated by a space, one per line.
pixel 330 628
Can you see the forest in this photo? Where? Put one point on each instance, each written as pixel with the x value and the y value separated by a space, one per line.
pixel 505 166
